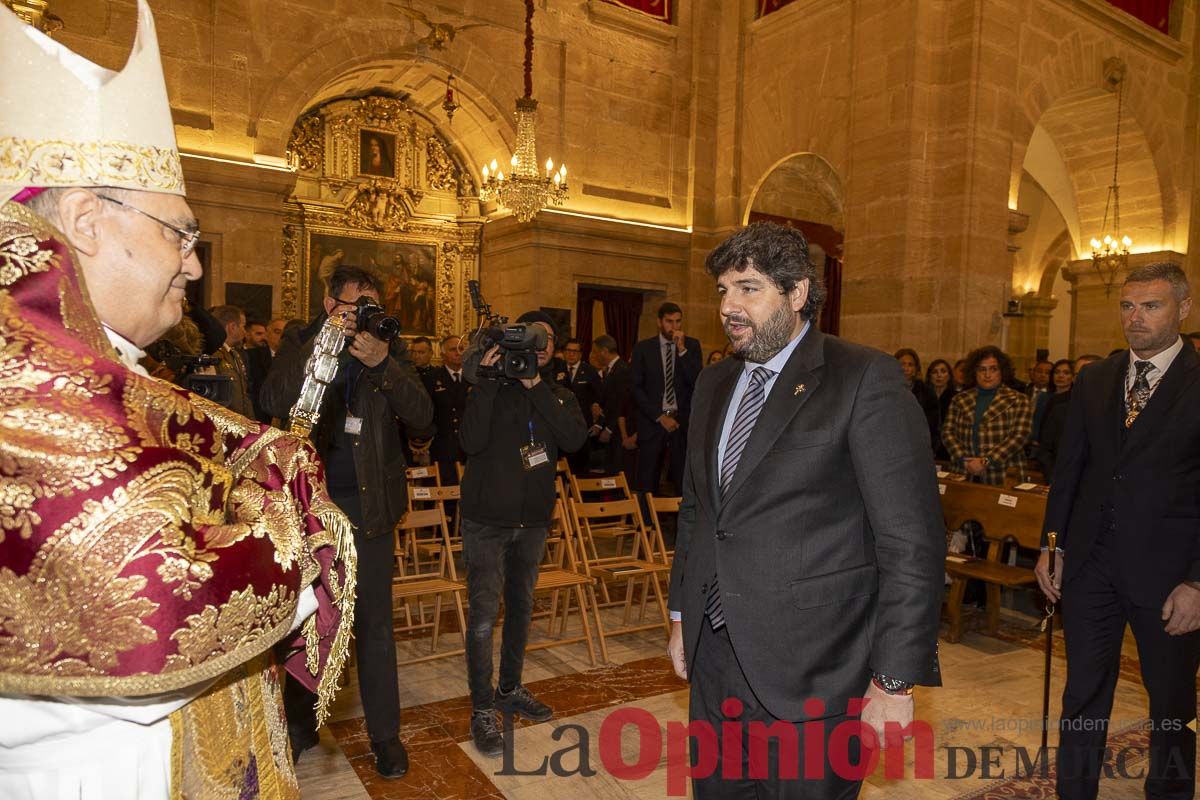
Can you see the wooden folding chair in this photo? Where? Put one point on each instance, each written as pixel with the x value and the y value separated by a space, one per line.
pixel 660 506
pixel 568 579
pixel 423 476
pixel 442 579
pixel 420 497
pixel 640 568
pixel 616 530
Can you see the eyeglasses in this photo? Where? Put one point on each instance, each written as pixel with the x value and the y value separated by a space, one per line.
pixel 187 239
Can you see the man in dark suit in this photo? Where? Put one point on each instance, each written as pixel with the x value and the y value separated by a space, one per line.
pixel 664 368
pixel 257 356
pixel 1125 502
pixel 584 382
pixel 448 389
pixel 809 559
pixel 616 404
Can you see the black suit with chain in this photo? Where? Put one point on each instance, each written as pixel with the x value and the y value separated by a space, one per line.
pixel 1125 502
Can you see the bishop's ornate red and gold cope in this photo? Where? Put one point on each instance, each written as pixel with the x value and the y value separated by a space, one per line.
pixel 149 540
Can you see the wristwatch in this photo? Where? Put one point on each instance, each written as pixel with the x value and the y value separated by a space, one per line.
pixel 891 685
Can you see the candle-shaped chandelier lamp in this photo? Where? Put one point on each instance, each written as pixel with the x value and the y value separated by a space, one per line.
pixel 1110 255
pixel 526 189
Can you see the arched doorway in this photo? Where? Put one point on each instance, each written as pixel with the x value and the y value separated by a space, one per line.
pixel 804 192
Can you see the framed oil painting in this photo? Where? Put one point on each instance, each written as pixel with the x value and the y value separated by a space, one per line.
pixel 407 270
pixel 376 153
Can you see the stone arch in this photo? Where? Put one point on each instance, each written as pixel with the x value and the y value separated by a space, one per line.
pixel 1073 73
pixel 1057 256
pixel 811 186
pixel 1081 128
pixel 482 128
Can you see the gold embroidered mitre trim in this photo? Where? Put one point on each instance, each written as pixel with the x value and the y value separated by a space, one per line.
pixel 65 121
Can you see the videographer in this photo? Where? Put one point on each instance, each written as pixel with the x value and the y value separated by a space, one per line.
pixel 359 439
pixel 512 432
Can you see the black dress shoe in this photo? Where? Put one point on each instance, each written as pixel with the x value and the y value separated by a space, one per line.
pixel 302 740
pixel 391 759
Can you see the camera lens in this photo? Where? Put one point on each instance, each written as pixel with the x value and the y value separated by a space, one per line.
pixel 385 328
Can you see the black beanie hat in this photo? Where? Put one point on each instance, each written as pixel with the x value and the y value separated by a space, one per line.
pixel 530 317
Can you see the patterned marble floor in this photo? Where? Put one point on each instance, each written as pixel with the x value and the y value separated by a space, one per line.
pixel 992 697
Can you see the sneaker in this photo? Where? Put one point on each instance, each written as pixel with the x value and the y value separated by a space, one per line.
pixel 485 733
pixel 520 701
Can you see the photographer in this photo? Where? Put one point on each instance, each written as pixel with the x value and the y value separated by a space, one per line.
pixel 512 432
pixel 359 440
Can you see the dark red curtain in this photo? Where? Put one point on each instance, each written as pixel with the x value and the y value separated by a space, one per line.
pixel 767 6
pixel 657 9
pixel 1155 13
pixel 622 310
pixel 831 312
pixel 830 240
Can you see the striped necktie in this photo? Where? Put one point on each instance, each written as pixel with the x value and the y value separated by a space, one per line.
pixel 743 425
pixel 669 376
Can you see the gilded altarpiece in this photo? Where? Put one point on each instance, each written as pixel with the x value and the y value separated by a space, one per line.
pixel 379 187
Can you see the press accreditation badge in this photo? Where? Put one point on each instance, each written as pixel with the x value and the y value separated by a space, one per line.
pixel 533 455
pixel 353 425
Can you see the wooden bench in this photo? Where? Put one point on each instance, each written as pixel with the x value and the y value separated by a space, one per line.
pixel 1007 515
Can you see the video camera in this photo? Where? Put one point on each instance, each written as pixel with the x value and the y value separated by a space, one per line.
pixel 217 388
pixel 519 342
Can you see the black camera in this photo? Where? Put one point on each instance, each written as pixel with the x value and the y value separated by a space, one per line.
pixel 217 388
pixel 371 317
pixel 520 345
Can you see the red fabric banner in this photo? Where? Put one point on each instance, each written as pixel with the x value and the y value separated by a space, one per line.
pixel 1155 13
pixel 657 9
pixel 767 6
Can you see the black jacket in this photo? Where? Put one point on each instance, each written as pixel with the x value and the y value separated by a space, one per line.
pixel 496 489
pixel 648 382
pixel 585 387
pixel 1139 485
pixel 449 402
pixel 1049 435
pixel 381 396
pixel 616 391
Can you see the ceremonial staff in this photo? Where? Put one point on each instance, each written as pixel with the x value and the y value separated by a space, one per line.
pixel 1048 627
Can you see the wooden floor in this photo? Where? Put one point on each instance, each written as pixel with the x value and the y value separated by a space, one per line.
pixel 991 697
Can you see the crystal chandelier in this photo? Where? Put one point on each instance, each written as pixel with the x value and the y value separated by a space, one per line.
pixel 525 190
pixel 1110 255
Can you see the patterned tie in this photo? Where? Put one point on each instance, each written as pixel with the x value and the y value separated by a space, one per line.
pixel 743 425
pixel 1139 392
pixel 669 376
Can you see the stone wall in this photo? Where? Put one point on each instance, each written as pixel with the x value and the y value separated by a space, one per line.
pixel 923 112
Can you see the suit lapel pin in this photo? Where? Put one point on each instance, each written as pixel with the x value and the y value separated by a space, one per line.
pixel 799 389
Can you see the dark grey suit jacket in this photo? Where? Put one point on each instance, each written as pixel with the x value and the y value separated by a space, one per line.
pixel 829 543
